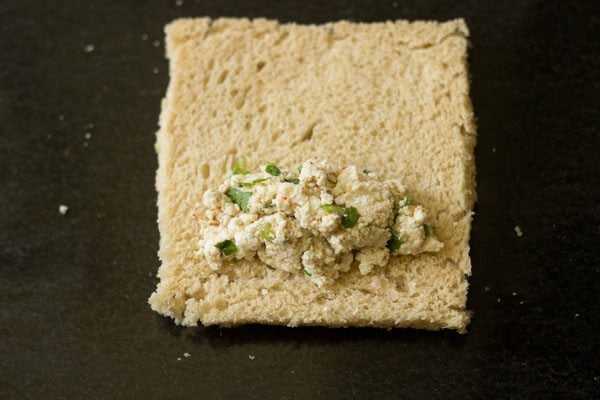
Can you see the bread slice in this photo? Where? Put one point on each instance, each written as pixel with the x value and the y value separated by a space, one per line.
pixel 392 96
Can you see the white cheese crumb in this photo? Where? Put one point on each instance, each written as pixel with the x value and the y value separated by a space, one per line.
pixel 493 149
pixel 144 36
pixel 514 293
pixel 518 231
pixel 156 43
pixel 521 302
pixel 186 354
pixel 87 135
pixel 264 291
pixel 178 358
pixel 498 300
pixel 63 209
pixel 155 70
pixel 251 357
pixel 576 315
pixel 89 48
pixel 487 288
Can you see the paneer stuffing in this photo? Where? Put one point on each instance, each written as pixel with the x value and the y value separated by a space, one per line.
pixel 317 220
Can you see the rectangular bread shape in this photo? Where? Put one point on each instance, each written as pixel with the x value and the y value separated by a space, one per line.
pixel 393 96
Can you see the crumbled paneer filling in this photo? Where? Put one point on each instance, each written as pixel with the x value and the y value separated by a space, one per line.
pixel 318 220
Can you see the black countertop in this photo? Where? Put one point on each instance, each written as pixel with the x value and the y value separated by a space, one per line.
pixel 74 322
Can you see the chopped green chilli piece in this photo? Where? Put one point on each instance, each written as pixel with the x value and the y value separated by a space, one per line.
pixel 239 168
pixel 350 217
pixel 227 247
pixel 266 232
pixel 332 208
pixel 406 201
pixel 254 182
pixel 366 171
pixel 395 242
pixel 293 180
pixel 306 272
pixel 427 229
pixel 239 197
pixel 272 169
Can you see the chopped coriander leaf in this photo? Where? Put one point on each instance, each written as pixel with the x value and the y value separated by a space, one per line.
pixel 239 197
pixel 406 201
pixel 395 242
pixel 266 232
pixel 332 208
pixel 227 247
pixel 239 168
pixel 366 171
pixel 396 210
pixel 272 169
pixel 293 180
pixel 306 272
pixel 299 168
pixel 254 182
pixel 350 217
pixel 427 229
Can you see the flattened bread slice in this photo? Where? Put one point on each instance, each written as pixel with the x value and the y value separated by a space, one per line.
pixel 392 96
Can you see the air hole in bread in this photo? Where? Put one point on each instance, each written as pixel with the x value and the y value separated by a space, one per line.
pixel 275 136
pixel 222 77
pixel 260 65
pixel 211 64
pixel 205 171
pixel 308 134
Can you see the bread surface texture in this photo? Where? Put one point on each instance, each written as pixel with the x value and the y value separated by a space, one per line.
pixel 390 96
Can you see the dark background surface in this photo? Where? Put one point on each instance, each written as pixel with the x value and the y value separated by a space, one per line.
pixel 74 322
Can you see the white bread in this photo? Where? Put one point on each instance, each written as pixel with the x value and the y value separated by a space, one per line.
pixel 392 96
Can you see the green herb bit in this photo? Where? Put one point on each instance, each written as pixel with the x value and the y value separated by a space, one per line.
pixel 227 247
pixel 332 208
pixel 306 272
pixel 239 168
pixel 295 181
pixel 350 217
pixel 366 171
pixel 406 201
pixel 254 182
pixel 272 169
pixel 395 242
pixel 300 168
pixel 427 229
pixel 266 232
pixel 269 204
pixel 239 197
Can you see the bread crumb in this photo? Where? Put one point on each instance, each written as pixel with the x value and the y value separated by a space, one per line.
pixel 521 302
pixel 576 315
pixel 85 144
pixel 63 209
pixel 487 288
pixel 498 300
pixel 90 125
pixel 292 372
pixel 155 70
pixel 156 43
pixel 395 4
pixel 518 231
pixel 89 48
pixel 251 357
pixel 514 293
pixel 493 149
pixel 87 135
pixel 187 355
pixel 178 3
pixel 178 358
pixel 144 36
pixel 61 117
